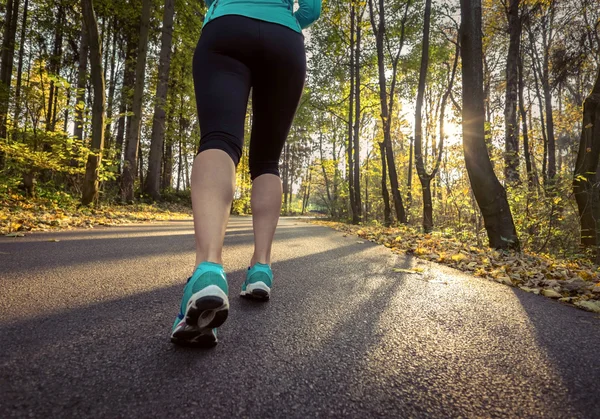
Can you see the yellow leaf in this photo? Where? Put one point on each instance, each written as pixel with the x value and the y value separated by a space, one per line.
pixel 458 257
pixel 589 305
pixel 551 293
pixel 421 251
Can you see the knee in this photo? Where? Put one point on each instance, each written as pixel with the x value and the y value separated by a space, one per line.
pixel 222 141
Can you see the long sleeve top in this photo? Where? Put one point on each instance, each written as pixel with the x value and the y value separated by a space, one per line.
pixel 274 11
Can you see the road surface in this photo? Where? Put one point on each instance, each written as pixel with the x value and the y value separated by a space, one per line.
pixel 84 325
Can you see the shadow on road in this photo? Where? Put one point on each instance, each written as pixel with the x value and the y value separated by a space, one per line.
pixel 556 334
pixel 114 246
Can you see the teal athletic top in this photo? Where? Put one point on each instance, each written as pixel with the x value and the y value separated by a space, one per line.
pixel 274 11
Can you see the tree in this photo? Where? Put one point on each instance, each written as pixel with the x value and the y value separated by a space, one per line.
pixel 586 178
pixel 90 186
pixel 81 82
pixel 379 30
pixel 424 177
pixel 133 134
pixel 20 64
pixel 489 193
pixel 357 208
pixel 158 122
pixel 6 63
pixel 511 126
pixel 353 68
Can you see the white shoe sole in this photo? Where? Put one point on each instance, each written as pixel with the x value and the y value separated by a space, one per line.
pixel 258 290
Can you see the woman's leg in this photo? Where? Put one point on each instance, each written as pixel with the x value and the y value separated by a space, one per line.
pixel 213 185
pixel 277 87
pixel 266 206
pixel 222 83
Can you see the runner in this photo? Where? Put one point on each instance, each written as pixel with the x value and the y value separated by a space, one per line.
pixel 245 44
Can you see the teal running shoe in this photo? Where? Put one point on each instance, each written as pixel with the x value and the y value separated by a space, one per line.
pixel 258 283
pixel 204 307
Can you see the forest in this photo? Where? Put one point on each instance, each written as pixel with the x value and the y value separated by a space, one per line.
pixel 477 119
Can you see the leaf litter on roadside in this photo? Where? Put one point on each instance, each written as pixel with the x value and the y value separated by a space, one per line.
pixel 19 214
pixel 574 281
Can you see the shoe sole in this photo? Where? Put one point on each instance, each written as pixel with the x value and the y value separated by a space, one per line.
pixel 208 308
pixel 258 291
pixel 194 338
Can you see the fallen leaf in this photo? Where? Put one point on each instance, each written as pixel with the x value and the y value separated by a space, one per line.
pixel 551 293
pixel 458 257
pixel 53 240
pixel 504 280
pixel 589 305
pixel 359 242
pixel 14 235
pixel 565 299
pixel 535 291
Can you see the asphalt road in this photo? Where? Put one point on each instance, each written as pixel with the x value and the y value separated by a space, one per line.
pixel 84 325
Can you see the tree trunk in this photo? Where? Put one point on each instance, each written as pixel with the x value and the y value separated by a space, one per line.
pixel 152 187
pixel 386 115
pixel 526 150
pixel 325 178
pixel 366 213
pixel 131 151
pixel 387 212
pixel 489 193
pixel 54 69
pixel 292 169
pixel 585 182
pixel 20 65
pixel 180 158
pixel 410 173
pixel 90 186
pixel 125 105
pixel 140 163
pixel 351 115
pixel 111 90
pixel 547 38
pixel 6 67
pixel 167 181
pixel 423 176
pixel 511 155
pixel 357 208
pixel 81 77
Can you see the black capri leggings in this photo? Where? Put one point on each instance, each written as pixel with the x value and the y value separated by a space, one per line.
pixel 234 54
